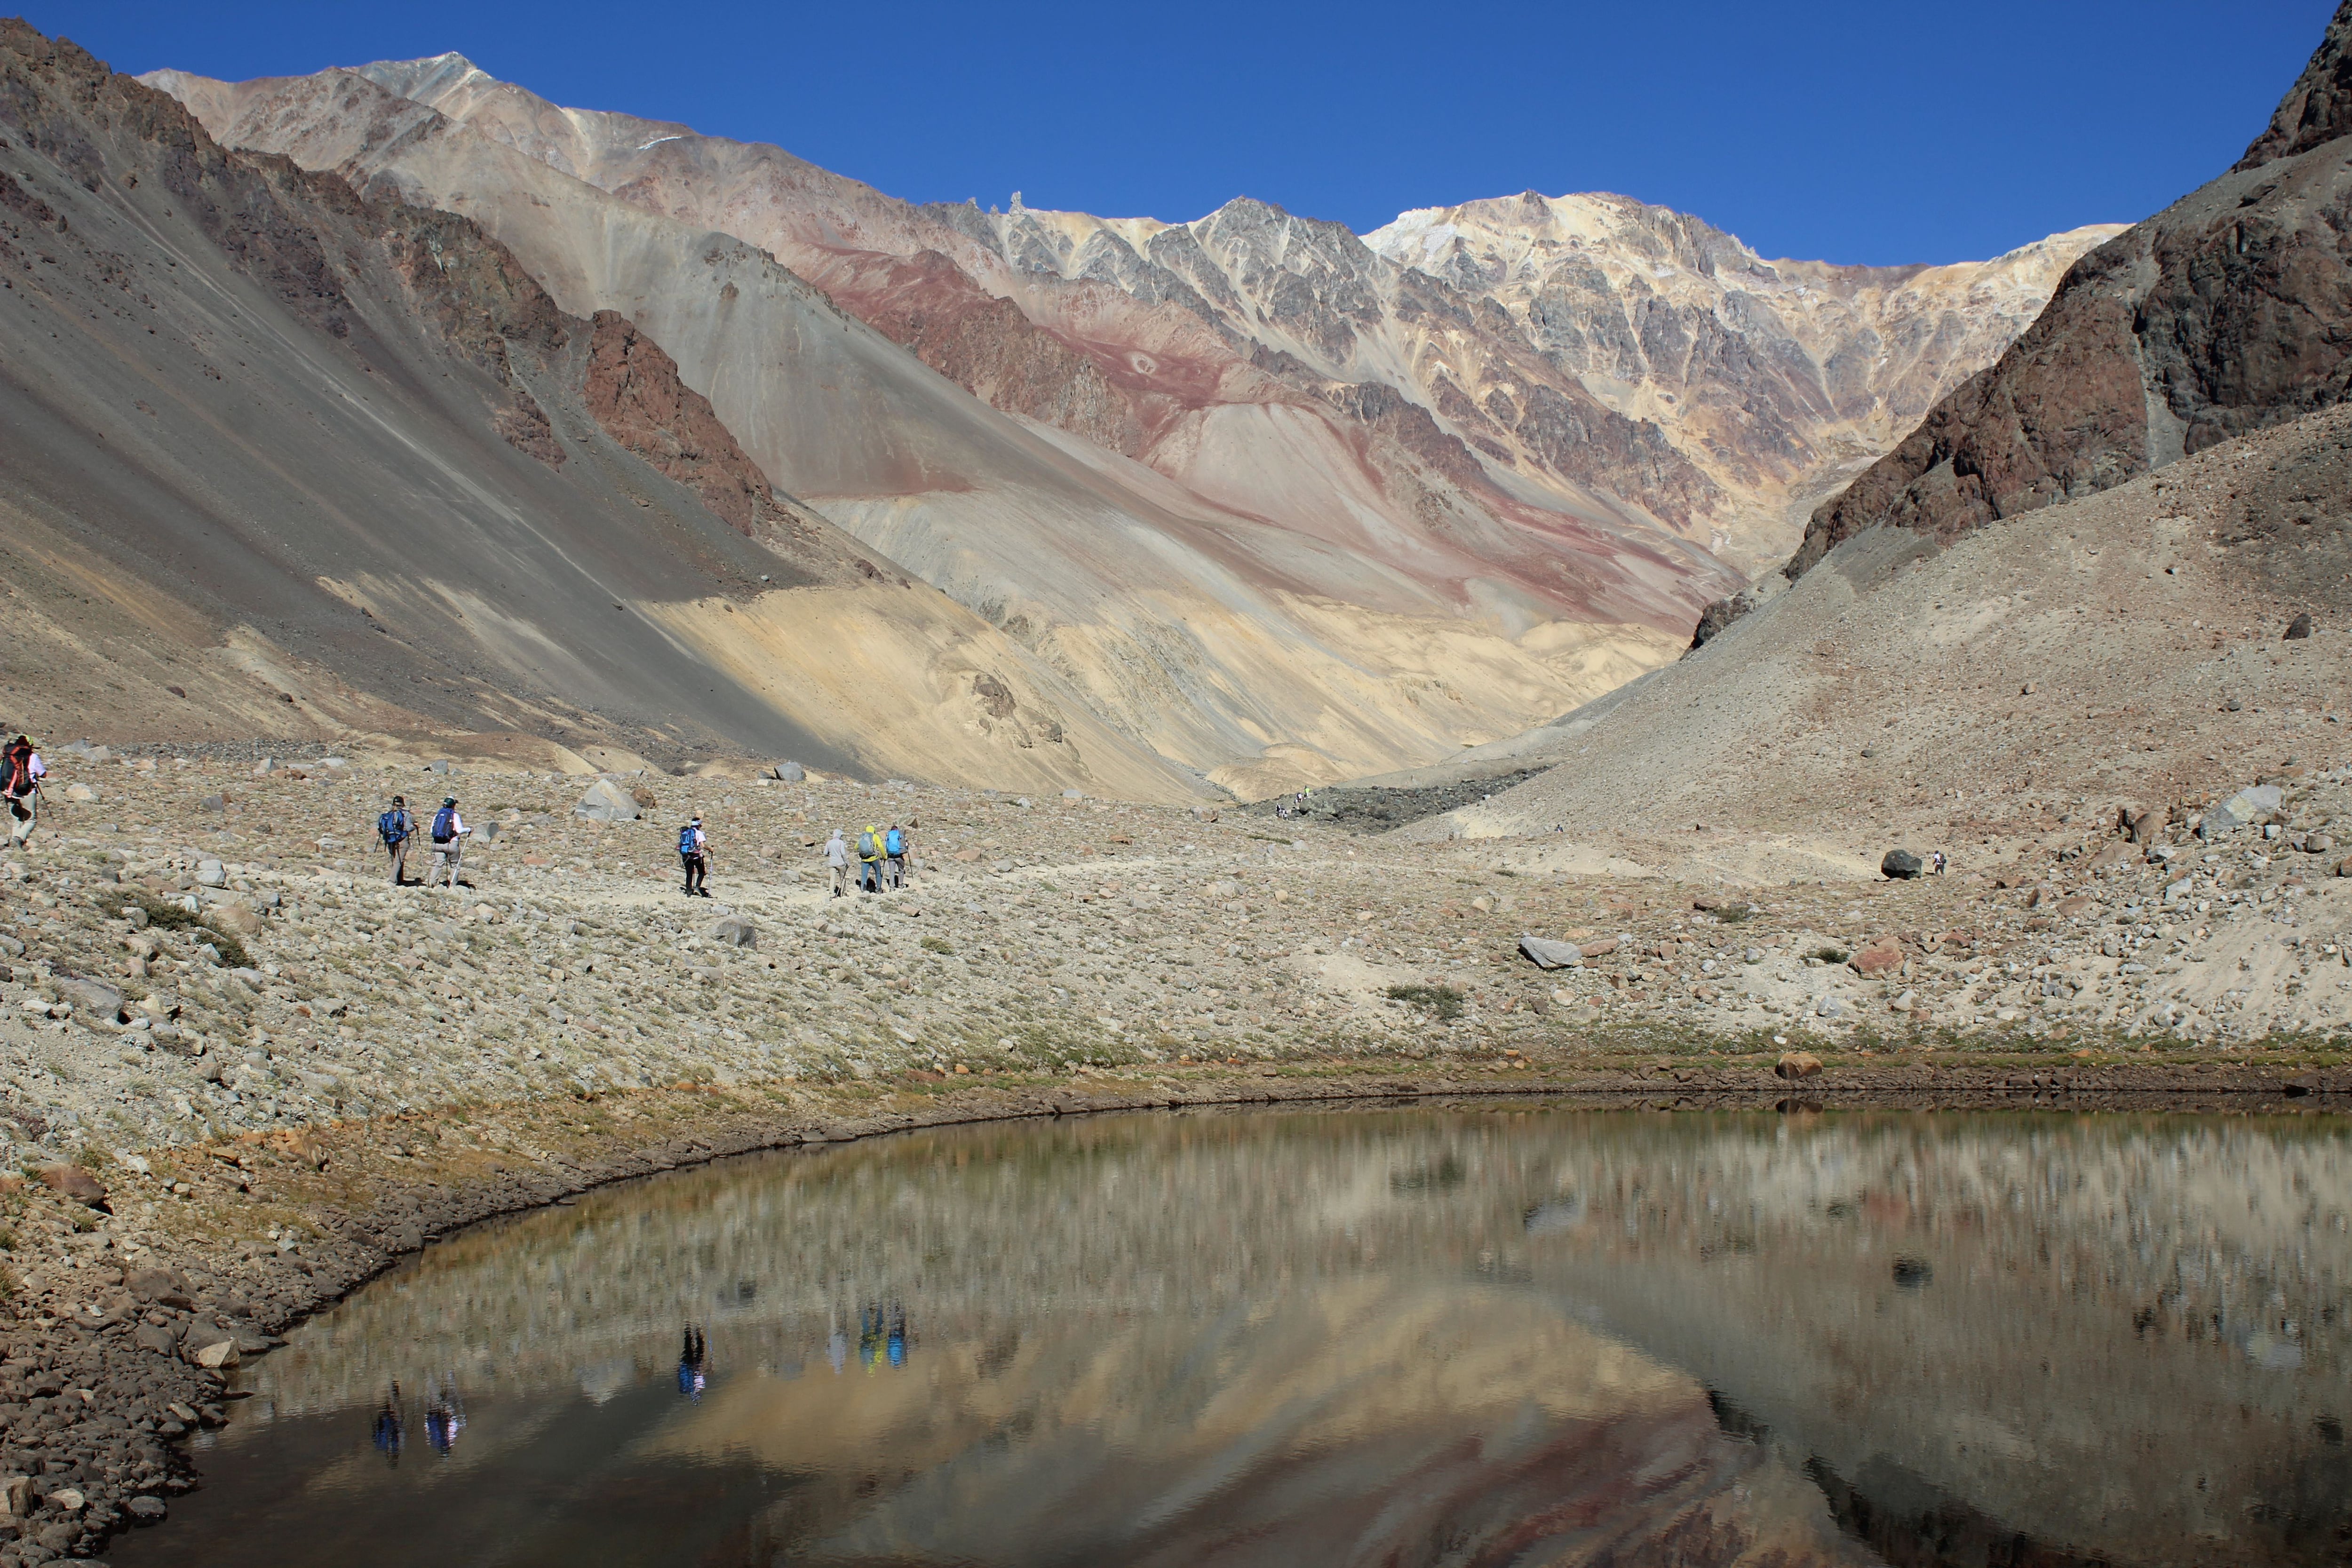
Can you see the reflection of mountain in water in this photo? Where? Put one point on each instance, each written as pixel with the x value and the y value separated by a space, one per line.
pixel 1231 1339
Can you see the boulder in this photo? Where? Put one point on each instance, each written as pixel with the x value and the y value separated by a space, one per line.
pixel 80 794
pixel 1878 958
pixel 146 1509
pixel 92 999
pixel 735 932
pixel 159 1287
pixel 791 773
pixel 2248 806
pixel 211 874
pixel 2299 628
pixel 1546 953
pixel 605 801
pixel 1901 865
pixel 1798 1064
pixel 73 1182
pixel 236 919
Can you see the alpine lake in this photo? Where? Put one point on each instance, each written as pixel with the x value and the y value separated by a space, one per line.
pixel 1524 1332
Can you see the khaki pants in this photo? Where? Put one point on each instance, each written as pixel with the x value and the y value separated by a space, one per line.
pixel 453 854
pixel 841 881
pixel 399 853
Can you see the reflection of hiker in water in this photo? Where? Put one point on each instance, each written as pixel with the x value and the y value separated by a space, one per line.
pixel 389 1435
pixel 693 1363
pixel 837 1346
pixel 444 1416
pixel 882 1336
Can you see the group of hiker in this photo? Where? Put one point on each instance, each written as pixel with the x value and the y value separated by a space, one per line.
pixel 885 859
pixel 884 856
pixel 448 834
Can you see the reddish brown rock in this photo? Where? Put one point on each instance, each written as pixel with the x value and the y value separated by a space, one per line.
pixel 1798 1064
pixel 2229 312
pixel 73 1182
pixel 1878 958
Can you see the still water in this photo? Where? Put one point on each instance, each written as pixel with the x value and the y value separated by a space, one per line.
pixel 1524 1334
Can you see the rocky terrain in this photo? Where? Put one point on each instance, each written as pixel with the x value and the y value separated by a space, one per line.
pixel 282 1072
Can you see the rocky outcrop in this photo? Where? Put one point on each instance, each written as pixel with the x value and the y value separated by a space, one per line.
pixel 633 389
pixel 2229 312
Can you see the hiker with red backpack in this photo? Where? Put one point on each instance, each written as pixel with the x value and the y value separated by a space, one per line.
pixel 398 831
pixel 449 831
pixel 21 773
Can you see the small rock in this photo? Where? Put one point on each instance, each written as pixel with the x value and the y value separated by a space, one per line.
pixel 1900 865
pixel 214 802
pixel 2319 844
pixel 2299 628
pixel 211 874
pixel 1828 1008
pixel 146 1509
pixel 1204 813
pixel 1598 946
pixel 1905 1003
pixel 68 1499
pixel 2247 807
pixel 1798 1064
pixel 73 1182
pixel 80 794
pixel 16 1495
pixel 735 932
pixel 1549 954
pixel 159 1287
pixel 1074 795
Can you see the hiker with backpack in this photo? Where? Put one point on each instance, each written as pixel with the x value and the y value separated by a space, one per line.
pixel 869 860
pixel 694 854
pixel 894 857
pixel 398 831
pixel 836 855
pixel 22 770
pixel 450 833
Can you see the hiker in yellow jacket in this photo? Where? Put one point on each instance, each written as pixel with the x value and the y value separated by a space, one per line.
pixel 869 860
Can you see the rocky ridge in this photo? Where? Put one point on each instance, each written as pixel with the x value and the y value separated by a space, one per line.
pixel 2223 314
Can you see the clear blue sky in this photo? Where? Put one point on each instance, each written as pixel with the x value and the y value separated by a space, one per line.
pixel 1882 131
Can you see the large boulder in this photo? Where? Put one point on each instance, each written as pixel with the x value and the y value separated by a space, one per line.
pixel 790 773
pixel 92 999
pixel 1901 865
pixel 605 801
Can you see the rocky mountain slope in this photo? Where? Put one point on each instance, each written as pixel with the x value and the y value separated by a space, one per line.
pixel 1244 500
pixel 1333 601
pixel 1776 379
pixel 278 460
pixel 2229 312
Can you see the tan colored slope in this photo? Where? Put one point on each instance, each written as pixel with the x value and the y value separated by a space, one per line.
pixel 2125 647
pixel 1170 613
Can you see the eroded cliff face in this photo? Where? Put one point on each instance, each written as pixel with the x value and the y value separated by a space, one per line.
pixel 2229 312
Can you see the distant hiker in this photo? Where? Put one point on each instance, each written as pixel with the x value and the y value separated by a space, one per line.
pixel 1936 864
pixel 894 855
pixel 693 1363
pixel 694 852
pixel 450 833
pixel 836 855
pixel 398 831
pixel 21 773
pixel 869 860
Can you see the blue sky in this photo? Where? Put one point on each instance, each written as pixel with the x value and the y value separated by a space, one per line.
pixel 1857 132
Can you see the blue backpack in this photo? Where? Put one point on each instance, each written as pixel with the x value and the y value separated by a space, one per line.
pixel 444 825
pixel 685 840
pixel 392 827
pixel 894 842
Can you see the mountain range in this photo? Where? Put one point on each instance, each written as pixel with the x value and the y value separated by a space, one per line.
pixel 1160 510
